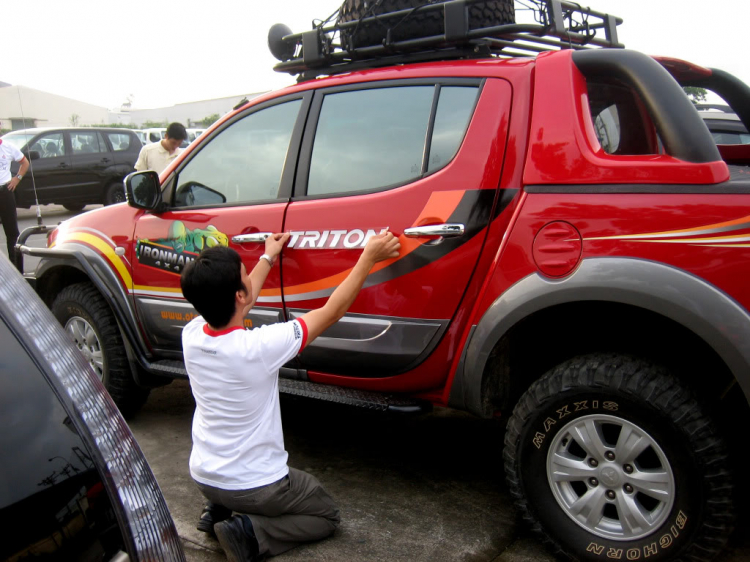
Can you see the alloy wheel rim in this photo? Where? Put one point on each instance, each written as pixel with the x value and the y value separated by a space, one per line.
pixel 87 341
pixel 610 477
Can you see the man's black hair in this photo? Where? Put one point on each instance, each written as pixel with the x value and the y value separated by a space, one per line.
pixel 176 131
pixel 210 283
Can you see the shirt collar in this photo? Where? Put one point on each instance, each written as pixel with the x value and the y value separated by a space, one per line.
pixel 215 333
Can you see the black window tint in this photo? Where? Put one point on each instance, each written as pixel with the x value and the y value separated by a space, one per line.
pixel 454 110
pixel 243 163
pixel 120 141
pixel 370 138
pixel 50 145
pixel 84 143
pixel 620 125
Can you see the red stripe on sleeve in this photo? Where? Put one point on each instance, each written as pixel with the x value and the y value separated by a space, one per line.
pixel 304 334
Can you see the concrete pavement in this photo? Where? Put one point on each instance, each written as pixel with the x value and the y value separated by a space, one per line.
pixel 428 488
pixel 419 489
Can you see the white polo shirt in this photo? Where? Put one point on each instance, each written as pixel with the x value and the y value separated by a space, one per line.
pixel 155 157
pixel 238 442
pixel 8 153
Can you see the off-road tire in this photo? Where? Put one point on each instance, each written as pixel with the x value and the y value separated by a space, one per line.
pixel 115 193
pixel 74 207
pixel 635 392
pixel 419 24
pixel 84 301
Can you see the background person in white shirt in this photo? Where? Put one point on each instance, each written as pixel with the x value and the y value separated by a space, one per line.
pixel 157 156
pixel 8 184
pixel 238 458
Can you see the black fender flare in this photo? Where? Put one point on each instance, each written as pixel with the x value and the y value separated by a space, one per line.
pixel 671 292
pixel 97 270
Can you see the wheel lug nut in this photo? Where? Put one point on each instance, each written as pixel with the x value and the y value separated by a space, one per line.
pixel 610 494
pixel 628 488
pixel 609 455
pixel 594 482
pixel 593 462
pixel 627 468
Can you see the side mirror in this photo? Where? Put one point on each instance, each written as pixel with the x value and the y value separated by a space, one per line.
pixel 32 155
pixel 143 190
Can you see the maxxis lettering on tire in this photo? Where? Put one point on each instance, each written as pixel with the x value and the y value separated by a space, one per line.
pixel 582 408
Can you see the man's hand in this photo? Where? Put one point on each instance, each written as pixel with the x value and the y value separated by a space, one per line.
pixel 381 247
pixel 13 183
pixel 275 243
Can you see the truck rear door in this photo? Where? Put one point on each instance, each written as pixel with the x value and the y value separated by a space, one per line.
pixel 421 157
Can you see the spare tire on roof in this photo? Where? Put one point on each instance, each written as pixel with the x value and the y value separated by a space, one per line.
pixel 422 23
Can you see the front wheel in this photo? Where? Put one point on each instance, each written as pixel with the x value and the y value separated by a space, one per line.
pixel 88 320
pixel 115 193
pixel 610 457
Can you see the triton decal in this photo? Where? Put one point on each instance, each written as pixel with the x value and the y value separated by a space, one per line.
pixel 331 239
pixel 180 247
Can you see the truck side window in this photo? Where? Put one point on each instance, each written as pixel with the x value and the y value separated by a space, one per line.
pixel 454 110
pixel 367 139
pixel 244 162
pixel 622 125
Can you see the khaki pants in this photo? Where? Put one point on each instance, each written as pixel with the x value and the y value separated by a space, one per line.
pixel 294 510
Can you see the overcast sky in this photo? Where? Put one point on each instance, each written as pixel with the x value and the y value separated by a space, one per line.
pixel 166 52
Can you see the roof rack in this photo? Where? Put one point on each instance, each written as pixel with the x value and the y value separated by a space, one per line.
pixel 561 25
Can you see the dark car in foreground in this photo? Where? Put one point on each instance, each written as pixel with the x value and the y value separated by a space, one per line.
pixel 74 483
pixel 74 167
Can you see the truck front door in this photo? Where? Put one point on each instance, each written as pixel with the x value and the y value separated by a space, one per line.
pixel 231 191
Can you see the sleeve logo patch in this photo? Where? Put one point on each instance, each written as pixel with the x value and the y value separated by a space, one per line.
pixel 297 331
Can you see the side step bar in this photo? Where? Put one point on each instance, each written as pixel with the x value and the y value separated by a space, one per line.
pixel 340 395
pixel 353 397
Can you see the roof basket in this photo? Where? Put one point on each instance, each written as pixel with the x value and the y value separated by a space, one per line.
pixel 322 51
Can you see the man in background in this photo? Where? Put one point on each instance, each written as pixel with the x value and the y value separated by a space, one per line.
pixel 159 155
pixel 8 154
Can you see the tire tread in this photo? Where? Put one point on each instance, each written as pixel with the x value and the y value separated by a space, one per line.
pixel 645 382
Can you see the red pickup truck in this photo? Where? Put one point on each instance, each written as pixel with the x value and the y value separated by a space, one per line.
pixel 574 256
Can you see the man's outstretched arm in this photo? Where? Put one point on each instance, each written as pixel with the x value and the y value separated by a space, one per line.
pixel 379 248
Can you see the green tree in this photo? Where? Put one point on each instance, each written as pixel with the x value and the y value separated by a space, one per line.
pixel 74 119
pixel 696 95
pixel 210 120
pixel 154 124
pixel 115 125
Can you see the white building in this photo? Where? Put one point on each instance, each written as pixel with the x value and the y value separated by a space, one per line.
pixel 189 114
pixel 22 108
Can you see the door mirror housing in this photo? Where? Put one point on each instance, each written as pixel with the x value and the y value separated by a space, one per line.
pixel 143 190
pixel 32 154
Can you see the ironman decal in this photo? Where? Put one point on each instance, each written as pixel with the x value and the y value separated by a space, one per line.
pixel 180 247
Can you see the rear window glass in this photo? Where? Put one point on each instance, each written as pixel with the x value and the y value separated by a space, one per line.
pixel 622 128
pixel 121 141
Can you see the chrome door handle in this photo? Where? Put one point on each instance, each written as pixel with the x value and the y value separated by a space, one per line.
pixel 450 230
pixel 257 238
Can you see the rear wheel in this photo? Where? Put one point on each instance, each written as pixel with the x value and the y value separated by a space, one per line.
pixel 610 456
pixel 74 207
pixel 419 24
pixel 89 321
pixel 115 193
